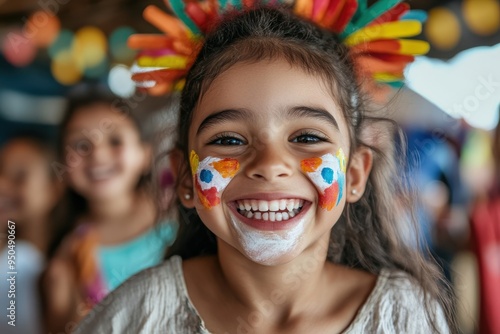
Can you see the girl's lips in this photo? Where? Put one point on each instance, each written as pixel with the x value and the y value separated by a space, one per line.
pixel 268 225
pixel 100 174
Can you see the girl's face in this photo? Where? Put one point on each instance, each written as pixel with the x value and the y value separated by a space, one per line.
pixel 27 190
pixel 103 152
pixel 268 150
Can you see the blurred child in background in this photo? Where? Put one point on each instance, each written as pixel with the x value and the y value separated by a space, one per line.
pixel 107 162
pixel 29 192
pixel 485 226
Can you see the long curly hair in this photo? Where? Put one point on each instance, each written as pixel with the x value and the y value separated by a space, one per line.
pixel 369 234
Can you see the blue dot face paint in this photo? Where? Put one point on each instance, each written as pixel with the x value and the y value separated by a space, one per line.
pixel 206 176
pixel 328 174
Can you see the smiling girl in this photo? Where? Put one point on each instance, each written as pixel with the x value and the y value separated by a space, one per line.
pixel 295 227
pixel 107 165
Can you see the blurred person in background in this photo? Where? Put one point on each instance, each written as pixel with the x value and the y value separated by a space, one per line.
pixel 442 204
pixel 485 225
pixel 106 159
pixel 29 192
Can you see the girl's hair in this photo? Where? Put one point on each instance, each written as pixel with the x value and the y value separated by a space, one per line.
pixel 91 97
pixel 368 234
pixel 46 147
pixel 43 143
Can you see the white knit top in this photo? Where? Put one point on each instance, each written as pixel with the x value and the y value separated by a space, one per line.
pixel 156 301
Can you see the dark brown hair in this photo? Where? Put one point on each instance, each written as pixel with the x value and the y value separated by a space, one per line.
pixel 368 235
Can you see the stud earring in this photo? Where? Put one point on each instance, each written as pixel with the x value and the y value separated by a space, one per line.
pixel 354 192
pixel 187 196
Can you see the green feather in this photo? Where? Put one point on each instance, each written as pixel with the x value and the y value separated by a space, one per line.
pixel 178 9
pixel 222 5
pixel 377 9
pixel 360 11
pixel 396 84
pixel 237 4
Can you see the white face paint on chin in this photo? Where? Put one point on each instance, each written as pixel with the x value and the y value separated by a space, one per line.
pixel 266 247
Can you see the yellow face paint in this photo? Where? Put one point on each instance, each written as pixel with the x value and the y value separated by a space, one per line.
pixel 342 160
pixel 194 161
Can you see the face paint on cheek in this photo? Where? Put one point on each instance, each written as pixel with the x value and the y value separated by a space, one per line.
pixel 328 175
pixel 211 176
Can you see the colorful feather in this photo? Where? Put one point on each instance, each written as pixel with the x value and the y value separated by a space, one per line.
pixel 345 16
pixel 418 15
pixel 392 14
pixel 393 46
pixel 376 10
pixel 332 12
pixel 178 8
pixel 385 31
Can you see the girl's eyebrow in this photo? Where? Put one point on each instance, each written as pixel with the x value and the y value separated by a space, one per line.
pixel 313 112
pixel 244 115
pixel 223 116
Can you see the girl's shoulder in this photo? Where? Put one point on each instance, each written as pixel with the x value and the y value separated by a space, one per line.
pixel 152 301
pixel 397 304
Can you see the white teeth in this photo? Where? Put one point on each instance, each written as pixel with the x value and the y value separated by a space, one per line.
pixel 263 206
pixel 270 215
pixel 275 210
pixel 100 173
pixel 274 205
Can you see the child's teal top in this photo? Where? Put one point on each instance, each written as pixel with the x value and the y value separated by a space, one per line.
pixel 117 263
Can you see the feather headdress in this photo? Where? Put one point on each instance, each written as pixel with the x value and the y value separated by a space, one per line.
pixel 376 35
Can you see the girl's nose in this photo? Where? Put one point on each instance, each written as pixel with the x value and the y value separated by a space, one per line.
pixel 99 154
pixel 269 163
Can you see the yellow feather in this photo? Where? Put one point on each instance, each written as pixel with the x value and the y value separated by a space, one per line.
pixel 385 77
pixel 174 62
pixel 413 47
pixel 387 30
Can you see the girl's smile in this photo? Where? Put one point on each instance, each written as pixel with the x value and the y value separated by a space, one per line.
pixel 270 212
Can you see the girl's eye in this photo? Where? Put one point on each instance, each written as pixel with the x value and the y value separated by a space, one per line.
pixel 115 141
pixel 82 145
pixel 308 138
pixel 226 140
